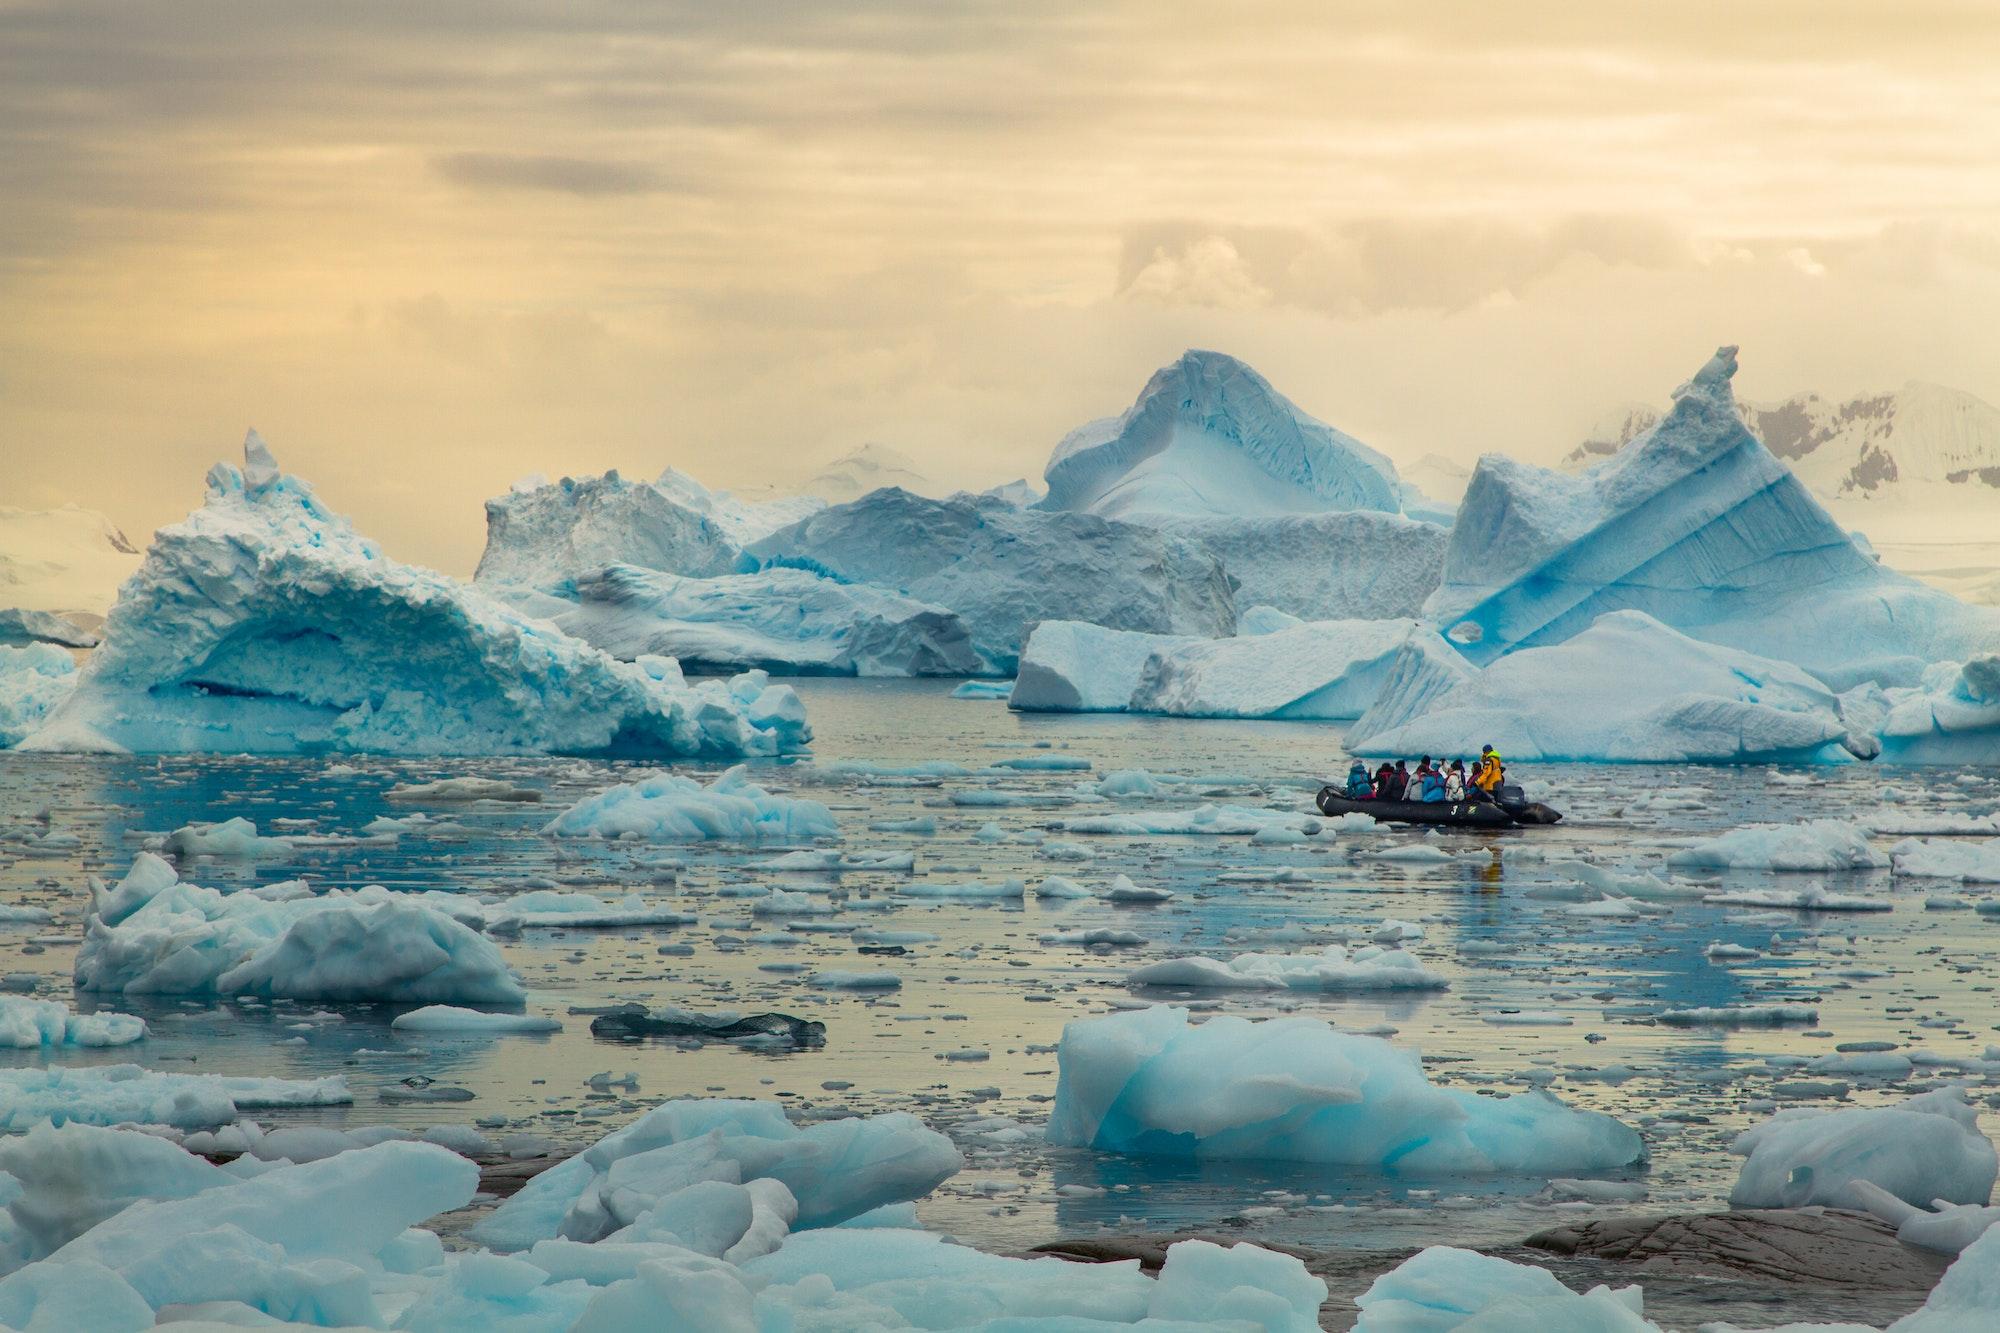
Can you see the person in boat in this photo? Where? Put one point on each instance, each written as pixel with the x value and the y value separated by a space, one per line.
pixel 1403 780
pixel 1385 782
pixel 1486 778
pixel 1359 788
pixel 1432 790
pixel 1454 782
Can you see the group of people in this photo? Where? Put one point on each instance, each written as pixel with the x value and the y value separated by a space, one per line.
pixel 1430 782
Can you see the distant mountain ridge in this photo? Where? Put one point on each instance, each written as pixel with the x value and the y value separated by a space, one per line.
pixel 1874 447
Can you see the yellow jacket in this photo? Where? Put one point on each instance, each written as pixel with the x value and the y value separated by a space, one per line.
pixel 1487 775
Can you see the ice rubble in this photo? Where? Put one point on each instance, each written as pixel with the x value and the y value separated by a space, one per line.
pixel 1313 670
pixel 1003 569
pixel 1443 1288
pixel 33 680
pixel 1815 846
pixel 1332 968
pixel 127 1094
pixel 1294 1089
pixel 668 808
pixel 1626 689
pixel 27 1023
pixel 264 623
pixel 1939 858
pixel 1700 526
pixel 1929 1148
pixel 155 934
pixel 793 621
pixel 1210 436
pixel 545 536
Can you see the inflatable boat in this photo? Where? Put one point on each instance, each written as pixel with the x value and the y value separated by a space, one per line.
pixel 1456 814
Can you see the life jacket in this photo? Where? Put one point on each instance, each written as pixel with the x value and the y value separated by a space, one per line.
pixel 1489 774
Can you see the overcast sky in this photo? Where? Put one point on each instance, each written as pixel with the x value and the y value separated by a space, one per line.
pixel 428 247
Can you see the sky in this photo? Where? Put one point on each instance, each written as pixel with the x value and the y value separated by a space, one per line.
pixel 428 248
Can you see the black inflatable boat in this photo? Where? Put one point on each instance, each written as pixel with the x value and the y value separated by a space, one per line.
pixel 1459 814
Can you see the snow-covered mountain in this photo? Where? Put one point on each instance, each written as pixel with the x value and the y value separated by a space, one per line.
pixel 1209 437
pixel 62 560
pixel 869 468
pixel 1880 447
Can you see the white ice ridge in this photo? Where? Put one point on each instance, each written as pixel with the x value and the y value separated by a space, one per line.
pixel 1700 526
pixel 793 621
pixel 154 934
pixel 1151 1082
pixel 264 623
pixel 1003 569
pixel 1627 689
pixel 1332 968
pixel 33 680
pixel 1210 436
pixel 711 1216
pixel 1310 671
pixel 547 535
pixel 666 807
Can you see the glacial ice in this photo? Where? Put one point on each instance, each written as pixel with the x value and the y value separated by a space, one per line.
pixel 264 623
pixel 1442 1288
pixel 1210 436
pixel 669 808
pixel 1150 1082
pixel 1814 846
pixel 1360 565
pixel 1700 526
pixel 741 521
pixel 1003 569
pixel 30 1024
pixel 155 934
pixel 121 1094
pixel 793 621
pixel 1333 968
pixel 1068 666
pixel 1929 1148
pixel 452 1018
pixel 1937 858
pixel 1951 717
pixel 549 535
pixel 1587 699
pixel 33 680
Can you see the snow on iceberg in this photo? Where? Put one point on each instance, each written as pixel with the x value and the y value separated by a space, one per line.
pixel 127 1094
pixel 1927 1149
pixel 1314 670
pixel 792 621
pixel 668 808
pixel 1815 846
pixel 545 536
pixel 1004 569
pixel 33 680
pixel 1293 1089
pixel 1442 1288
pixel 1700 526
pixel 264 623
pixel 1627 689
pixel 1210 436
pixel 1331 969
pixel 155 934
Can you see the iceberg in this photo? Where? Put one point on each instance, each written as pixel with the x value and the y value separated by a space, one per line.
pixel 1628 689
pixel 1953 717
pixel 792 621
pixel 1813 847
pixel 741 521
pixel 29 1024
pixel 1359 565
pixel 668 808
pixel 1068 666
pixel 1209 436
pixel 19 627
pixel 155 934
pixel 1928 1149
pixel 1151 1082
pixel 1701 527
pixel 127 1094
pixel 1441 1288
pixel 264 623
pixel 545 536
pixel 1004 569
pixel 33 680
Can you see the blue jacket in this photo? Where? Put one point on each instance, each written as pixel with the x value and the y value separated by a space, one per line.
pixel 1433 786
pixel 1359 787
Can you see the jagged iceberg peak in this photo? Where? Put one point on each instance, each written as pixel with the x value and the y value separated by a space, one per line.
pixel 260 478
pixel 1208 437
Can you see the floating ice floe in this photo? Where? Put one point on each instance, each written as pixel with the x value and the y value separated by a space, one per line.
pixel 1202 820
pixel 668 808
pixel 155 934
pixel 28 1024
pixel 1582 700
pixel 1973 862
pixel 449 1018
pixel 1701 527
pixel 1740 1015
pixel 1442 1288
pixel 122 1094
pixel 1293 1089
pixel 1814 847
pixel 1003 569
pixel 236 837
pixel 1927 1149
pixel 33 680
pixel 793 621
pixel 264 623
pixel 1333 968
pixel 1812 898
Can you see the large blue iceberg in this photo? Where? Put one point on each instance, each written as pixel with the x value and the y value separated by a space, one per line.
pixel 1698 525
pixel 264 623
pixel 541 536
